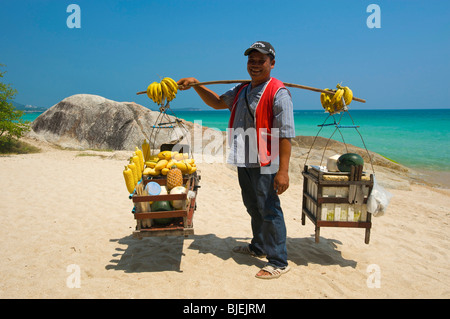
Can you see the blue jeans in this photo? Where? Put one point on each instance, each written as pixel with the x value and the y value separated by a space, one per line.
pixel 267 220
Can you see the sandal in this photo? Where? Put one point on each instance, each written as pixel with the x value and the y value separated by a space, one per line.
pixel 274 272
pixel 247 251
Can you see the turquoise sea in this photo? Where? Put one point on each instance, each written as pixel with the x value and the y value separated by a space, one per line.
pixel 416 138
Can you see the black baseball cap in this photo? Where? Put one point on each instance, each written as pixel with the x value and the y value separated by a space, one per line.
pixel 263 47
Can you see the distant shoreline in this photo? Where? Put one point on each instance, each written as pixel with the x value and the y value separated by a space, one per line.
pixel 416 157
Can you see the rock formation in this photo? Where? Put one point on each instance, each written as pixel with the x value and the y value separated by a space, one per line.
pixel 85 121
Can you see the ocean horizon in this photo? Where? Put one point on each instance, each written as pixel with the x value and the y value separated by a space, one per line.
pixel 416 138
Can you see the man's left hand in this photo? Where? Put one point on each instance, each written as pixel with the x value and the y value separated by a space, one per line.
pixel 281 182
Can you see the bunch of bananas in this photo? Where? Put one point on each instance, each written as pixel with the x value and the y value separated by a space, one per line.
pixel 165 90
pixel 335 103
pixel 161 163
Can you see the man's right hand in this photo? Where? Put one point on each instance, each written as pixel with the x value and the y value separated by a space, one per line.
pixel 208 96
pixel 184 83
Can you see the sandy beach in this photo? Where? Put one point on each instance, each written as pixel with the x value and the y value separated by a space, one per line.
pixel 65 211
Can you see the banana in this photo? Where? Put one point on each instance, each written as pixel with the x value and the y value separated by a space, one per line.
pixel 172 92
pixel 336 100
pixel 348 95
pixel 151 91
pixel 337 96
pixel 335 103
pixel 330 108
pixel 172 96
pixel 322 99
pixel 155 92
pixel 158 93
pixel 165 91
pixel 161 94
pixel 325 99
pixel 172 84
pixel 339 105
pixel 172 87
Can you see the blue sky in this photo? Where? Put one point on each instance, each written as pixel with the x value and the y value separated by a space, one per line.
pixel 122 46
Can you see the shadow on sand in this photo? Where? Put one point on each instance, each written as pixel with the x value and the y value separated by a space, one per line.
pixel 157 254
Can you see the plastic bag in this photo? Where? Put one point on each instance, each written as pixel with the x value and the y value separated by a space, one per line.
pixel 378 200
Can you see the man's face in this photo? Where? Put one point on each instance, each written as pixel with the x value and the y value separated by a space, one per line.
pixel 259 66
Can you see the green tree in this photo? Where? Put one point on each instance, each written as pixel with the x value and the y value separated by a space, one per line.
pixel 12 126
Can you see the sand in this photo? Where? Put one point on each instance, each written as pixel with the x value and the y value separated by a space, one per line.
pixel 66 213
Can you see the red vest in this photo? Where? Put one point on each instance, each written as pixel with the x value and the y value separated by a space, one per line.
pixel 263 119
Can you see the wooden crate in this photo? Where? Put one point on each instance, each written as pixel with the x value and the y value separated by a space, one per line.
pixel 183 218
pixel 336 199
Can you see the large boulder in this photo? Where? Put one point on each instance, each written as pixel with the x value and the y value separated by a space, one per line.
pixel 86 121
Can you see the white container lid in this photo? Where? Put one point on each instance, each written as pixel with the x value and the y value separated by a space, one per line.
pixel 153 188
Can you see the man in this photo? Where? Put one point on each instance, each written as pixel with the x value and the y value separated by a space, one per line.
pixel 261 126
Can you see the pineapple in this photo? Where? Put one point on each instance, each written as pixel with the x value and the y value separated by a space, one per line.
pixel 174 178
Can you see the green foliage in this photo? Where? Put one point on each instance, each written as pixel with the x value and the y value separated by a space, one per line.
pixel 14 146
pixel 12 126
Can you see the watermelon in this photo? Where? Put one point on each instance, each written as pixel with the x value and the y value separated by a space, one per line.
pixel 346 161
pixel 161 206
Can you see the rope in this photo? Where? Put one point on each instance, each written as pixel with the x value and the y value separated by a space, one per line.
pixel 163 121
pixel 338 126
pixel 367 151
pixel 312 144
